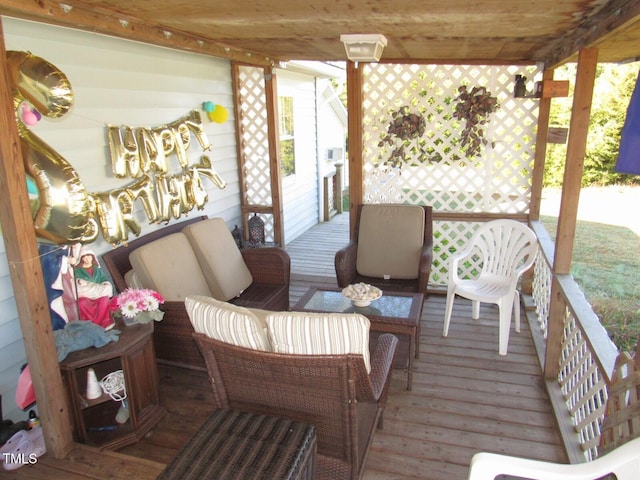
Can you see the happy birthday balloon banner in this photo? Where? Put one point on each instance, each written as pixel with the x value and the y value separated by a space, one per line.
pixel 63 211
pixel 142 153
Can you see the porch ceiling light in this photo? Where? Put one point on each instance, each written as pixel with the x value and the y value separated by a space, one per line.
pixel 364 47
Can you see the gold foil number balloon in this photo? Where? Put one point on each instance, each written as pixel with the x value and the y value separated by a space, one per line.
pixel 63 211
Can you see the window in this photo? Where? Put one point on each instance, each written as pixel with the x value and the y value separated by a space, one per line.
pixel 287 150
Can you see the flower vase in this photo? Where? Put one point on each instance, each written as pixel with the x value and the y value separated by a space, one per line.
pixel 143 317
pixel 129 321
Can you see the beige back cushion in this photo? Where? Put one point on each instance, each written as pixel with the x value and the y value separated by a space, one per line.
pixel 319 334
pixel 169 266
pixel 390 239
pixel 227 322
pixel 220 259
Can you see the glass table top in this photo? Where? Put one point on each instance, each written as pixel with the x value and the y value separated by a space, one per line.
pixel 386 306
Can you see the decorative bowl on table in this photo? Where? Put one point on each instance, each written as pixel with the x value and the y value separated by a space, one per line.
pixel 361 294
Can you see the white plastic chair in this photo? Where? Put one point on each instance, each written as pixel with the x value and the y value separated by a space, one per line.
pixel 506 249
pixel 624 462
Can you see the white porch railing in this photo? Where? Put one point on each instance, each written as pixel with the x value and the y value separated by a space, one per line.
pixel 587 356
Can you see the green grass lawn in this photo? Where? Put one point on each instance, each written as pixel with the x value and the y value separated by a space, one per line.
pixel 606 266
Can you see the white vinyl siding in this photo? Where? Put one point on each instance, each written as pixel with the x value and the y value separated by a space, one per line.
pixel 117 82
pixel 300 190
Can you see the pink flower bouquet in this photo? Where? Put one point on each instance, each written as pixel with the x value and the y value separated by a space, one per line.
pixel 137 306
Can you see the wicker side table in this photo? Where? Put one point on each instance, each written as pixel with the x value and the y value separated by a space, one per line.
pixel 245 446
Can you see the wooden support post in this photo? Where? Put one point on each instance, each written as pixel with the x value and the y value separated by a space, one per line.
pixel 326 194
pixel 240 145
pixel 271 93
pixel 337 188
pixel 26 277
pixel 576 147
pixel 354 108
pixel 544 109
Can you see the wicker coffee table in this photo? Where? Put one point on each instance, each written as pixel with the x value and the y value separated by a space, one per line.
pixel 235 445
pixel 395 312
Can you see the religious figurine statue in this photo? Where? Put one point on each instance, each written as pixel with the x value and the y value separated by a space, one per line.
pixel 94 290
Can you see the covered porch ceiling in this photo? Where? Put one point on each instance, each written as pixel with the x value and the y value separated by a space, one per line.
pixel 270 31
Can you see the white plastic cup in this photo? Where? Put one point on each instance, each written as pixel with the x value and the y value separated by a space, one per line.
pixel 93 386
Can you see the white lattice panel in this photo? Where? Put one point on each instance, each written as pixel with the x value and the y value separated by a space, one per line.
pixel 448 238
pixel 433 169
pixel 583 386
pixel 542 280
pixel 254 131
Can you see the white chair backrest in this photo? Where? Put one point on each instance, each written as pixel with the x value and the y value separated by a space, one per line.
pixel 507 247
pixel 624 462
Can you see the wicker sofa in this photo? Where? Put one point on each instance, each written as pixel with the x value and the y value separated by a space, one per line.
pixel 176 265
pixel 283 364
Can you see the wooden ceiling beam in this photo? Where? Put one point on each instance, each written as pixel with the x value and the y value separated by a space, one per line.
pixel 102 21
pixel 614 17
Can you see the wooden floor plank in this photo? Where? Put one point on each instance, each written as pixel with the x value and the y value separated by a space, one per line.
pixel 465 399
pixel 86 462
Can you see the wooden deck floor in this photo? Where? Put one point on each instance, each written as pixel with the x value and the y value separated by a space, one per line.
pixel 465 397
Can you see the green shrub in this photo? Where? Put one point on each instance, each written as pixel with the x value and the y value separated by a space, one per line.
pixel 612 92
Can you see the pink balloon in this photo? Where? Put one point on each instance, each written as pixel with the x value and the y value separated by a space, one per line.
pixel 28 117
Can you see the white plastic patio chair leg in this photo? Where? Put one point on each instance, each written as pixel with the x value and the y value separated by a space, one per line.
pixel 516 309
pixel 505 305
pixel 475 309
pixel 447 311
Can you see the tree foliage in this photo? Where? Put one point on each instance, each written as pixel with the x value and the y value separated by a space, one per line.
pixel 613 87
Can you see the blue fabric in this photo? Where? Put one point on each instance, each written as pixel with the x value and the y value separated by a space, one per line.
pixel 629 153
pixel 82 334
pixel 51 260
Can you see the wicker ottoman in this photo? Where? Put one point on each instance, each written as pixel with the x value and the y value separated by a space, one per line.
pixel 245 446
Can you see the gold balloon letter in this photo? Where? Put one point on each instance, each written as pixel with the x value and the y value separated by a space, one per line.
pixel 115 211
pixel 124 152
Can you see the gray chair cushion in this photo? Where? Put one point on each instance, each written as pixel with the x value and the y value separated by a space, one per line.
pixel 390 239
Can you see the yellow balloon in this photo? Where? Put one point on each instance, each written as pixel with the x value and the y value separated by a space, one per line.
pixel 219 114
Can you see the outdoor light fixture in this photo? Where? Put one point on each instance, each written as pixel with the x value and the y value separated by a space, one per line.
pixel 364 48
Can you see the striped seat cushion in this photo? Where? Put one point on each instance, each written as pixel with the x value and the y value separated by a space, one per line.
pixel 227 322
pixel 319 334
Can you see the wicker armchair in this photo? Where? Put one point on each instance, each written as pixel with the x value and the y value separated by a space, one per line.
pixel 269 267
pixel 332 392
pixel 405 256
